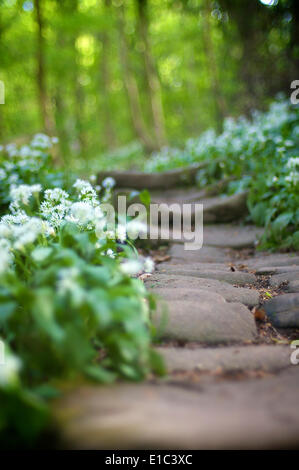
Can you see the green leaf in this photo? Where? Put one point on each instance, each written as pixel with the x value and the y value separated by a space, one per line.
pixel 145 197
pixel 6 310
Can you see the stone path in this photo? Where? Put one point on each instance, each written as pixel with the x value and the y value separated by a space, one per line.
pixel 231 384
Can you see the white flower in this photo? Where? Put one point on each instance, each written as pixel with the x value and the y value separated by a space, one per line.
pixel 82 212
pixel 99 228
pixel 11 149
pixel 22 193
pixel 293 162
pixel 6 257
pixel 93 178
pixel 136 228
pixel 2 174
pixel 25 151
pixel 5 230
pixel 86 192
pixel 55 140
pixel 121 233
pixel 108 182
pixel 293 177
pixel 149 265
pixel 56 195
pixel 41 141
pixel 110 253
pixel 9 370
pixel 131 267
pixel 26 232
pixel 41 253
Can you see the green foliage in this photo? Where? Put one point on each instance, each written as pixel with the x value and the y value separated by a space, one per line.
pixel 83 77
pixel 69 306
pixel 262 156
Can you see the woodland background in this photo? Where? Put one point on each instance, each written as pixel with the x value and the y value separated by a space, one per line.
pixel 104 74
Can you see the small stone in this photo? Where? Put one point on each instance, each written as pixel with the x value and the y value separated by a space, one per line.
pixel 220 273
pixel 283 311
pixel 155 180
pixel 209 321
pixel 206 254
pixel 293 286
pixel 268 260
pixel 278 279
pixel 225 209
pixel 230 358
pixel 230 236
pixel 277 270
pixel 249 297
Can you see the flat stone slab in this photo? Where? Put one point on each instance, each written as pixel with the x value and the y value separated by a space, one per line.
pixel 249 414
pixel 183 293
pixel 206 254
pixel 246 296
pixel 220 235
pixel 220 273
pixel 225 209
pixel 209 321
pixel 283 311
pixel 277 279
pixel 230 236
pixel 155 180
pixel 262 260
pixel 216 209
pixel 230 358
pixel 278 270
pixel 293 286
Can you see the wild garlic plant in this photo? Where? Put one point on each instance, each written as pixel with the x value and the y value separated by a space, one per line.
pixel 259 155
pixel 71 304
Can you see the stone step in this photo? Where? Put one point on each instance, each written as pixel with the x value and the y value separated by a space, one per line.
pixel 209 321
pixel 220 273
pixel 189 194
pixel 220 235
pixel 260 260
pixel 155 180
pixel 293 286
pixel 206 254
pixel 283 311
pixel 242 358
pixel 246 296
pixel 248 414
pixel 277 279
pixel 218 209
pixel 278 270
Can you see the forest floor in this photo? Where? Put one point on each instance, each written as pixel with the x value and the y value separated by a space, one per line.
pixel 232 313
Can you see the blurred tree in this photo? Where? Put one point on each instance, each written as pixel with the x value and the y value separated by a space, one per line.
pixel 101 73
pixel 44 101
pixel 105 82
pixel 131 85
pixel 220 106
pixel 155 94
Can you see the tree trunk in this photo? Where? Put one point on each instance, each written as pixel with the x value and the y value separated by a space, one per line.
pixel 41 76
pixel 109 131
pixel 220 106
pixel 131 86
pixel 152 78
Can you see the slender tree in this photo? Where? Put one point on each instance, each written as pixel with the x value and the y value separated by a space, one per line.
pixel 44 102
pixel 131 85
pixel 219 102
pixel 151 74
pixel 105 79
